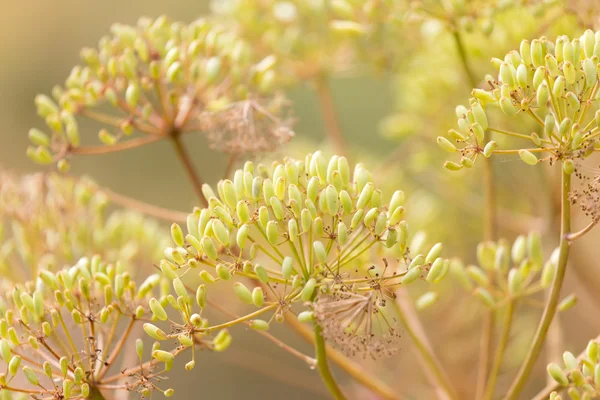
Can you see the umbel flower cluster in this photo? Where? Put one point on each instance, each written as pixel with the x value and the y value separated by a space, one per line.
pixel 519 271
pixel 556 84
pixel 63 333
pixel 50 221
pixel 580 375
pixel 297 232
pixel 161 79
pixel 65 319
pixel 312 39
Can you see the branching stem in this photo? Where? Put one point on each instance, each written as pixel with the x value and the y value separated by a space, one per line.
pixel 553 297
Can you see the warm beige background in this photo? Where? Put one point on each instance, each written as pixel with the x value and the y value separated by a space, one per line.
pixel 40 44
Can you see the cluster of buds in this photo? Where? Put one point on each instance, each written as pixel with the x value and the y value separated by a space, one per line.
pixel 299 232
pixel 469 15
pixel 316 38
pixel 509 273
pixel 163 78
pixel 556 84
pixel 580 375
pixel 50 221
pixel 64 331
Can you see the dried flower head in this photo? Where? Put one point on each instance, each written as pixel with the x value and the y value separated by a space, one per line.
pixel 556 84
pixel 588 198
pixel 246 127
pixel 299 230
pixel 163 76
pixel 357 323
pixel 51 221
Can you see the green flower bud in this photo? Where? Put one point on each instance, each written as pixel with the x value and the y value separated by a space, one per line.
pixel 259 325
pixel 365 195
pixel 426 300
pixel 209 248
pixel 528 157
pixel 13 365
pixel 412 275
pixel 485 297
pixel 507 107
pixel 157 310
pixel 436 271
pixel 177 234
pixel 163 356
pixel 306 316
pixel 434 253
pixel 567 302
pixel 222 340
pixel 308 290
pixel 272 234
pixel 446 145
pixel 320 252
pixel 31 376
pixel 293 230
pixel 223 272
pixel 154 332
pixel 557 374
pixel 242 292
pixel 452 166
pixel 258 297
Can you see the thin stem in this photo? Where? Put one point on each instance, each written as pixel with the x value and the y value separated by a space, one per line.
pixel 355 370
pixel 323 366
pixel 489 233
pixel 115 353
pixel 498 358
pixel 578 234
pixel 184 157
pixel 432 365
pixel 553 297
pixel 463 58
pixel 330 118
pixel 240 319
pixel 95 394
pixel 230 166
pixel 121 146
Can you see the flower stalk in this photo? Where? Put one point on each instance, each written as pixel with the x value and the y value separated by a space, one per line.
pixel 553 297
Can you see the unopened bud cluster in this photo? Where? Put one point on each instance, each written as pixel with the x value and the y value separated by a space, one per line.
pixel 556 84
pixel 52 220
pixel 165 77
pixel 518 271
pixel 72 322
pixel 470 15
pixel 580 376
pixel 304 227
pixel 316 38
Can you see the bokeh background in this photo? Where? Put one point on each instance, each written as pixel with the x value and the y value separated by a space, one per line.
pixel 390 119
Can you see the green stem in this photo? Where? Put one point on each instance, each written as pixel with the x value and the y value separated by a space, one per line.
pixel 429 360
pixel 493 377
pixel 460 47
pixel 323 366
pixel 489 233
pixel 553 297
pixel 95 394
